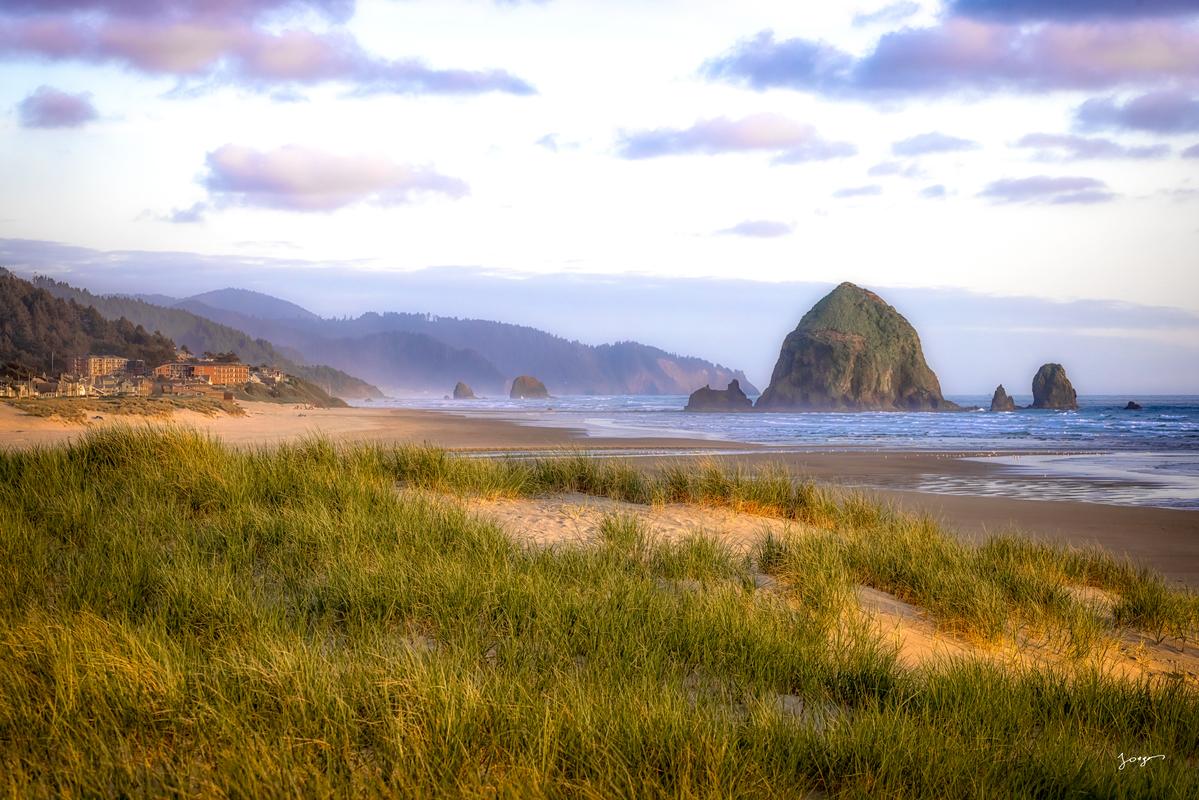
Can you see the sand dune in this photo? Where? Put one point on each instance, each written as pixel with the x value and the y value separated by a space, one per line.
pixel 574 520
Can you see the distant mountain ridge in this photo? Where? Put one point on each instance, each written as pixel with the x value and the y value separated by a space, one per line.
pixel 249 303
pixel 396 360
pixel 395 350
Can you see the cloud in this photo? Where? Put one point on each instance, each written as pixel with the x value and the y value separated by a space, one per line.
pixel 909 170
pixel 239 53
pixel 186 216
pixel 963 55
pixel 1191 152
pixel 1047 189
pixel 932 142
pixel 1181 195
pixel 887 15
pixel 759 229
pixel 1166 111
pixel 859 191
pixel 296 178
pixel 1065 147
pixel 791 141
pixel 815 150
pixel 556 144
pixel 48 107
pixel 764 63
pixel 339 10
pixel 1072 9
pixel 933 192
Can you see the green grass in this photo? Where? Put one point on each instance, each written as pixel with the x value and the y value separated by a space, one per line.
pixel 181 618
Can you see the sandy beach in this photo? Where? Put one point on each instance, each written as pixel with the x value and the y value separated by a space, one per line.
pixel 1164 539
pixel 275 423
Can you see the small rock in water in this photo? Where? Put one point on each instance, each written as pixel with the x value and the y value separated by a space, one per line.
pixel 1051 389
pixel 1133 405
pixel 1002 401
pixel 526 386
pixel 709 399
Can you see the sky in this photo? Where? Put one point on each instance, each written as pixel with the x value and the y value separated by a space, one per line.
pixel 1020 177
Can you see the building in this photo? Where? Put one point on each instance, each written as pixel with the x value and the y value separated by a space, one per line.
pixel 122 385
pixel 268 375
pixel 221 374
pixel 17 389
pixel 92 366
pixel 61 387
pixel 193 389
pixel 72 388
pixel 175 371
pixel 216 373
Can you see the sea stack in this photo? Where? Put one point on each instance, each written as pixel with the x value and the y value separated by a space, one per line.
pixel 1001 400
pixel 853 352
pixel 709 399
pixel 463 392
pixel 1051 389
pixel 528 387
pixel 1133 405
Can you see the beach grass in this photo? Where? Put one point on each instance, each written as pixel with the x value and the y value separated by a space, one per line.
pixel 78 409
pixel 1007 586
pixel 178 617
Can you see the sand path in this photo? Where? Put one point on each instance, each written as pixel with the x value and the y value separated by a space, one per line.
pixel 575 519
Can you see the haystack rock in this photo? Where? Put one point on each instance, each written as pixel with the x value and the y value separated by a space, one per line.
pixel 1051 389
pixel 527 387
pixel 463 392
pixel 709 399
pixel 1001 400
pixel 853 352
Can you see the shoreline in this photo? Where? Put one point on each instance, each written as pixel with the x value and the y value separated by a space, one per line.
pixel 267 424
pixel 1162 538
pixel 480 433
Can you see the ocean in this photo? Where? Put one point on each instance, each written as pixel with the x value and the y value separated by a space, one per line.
pixel 1099 453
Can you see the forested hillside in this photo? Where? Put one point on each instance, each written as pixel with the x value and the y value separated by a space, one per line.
pixel 39 331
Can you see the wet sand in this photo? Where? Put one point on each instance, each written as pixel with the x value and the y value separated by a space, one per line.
pixel 1164 539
